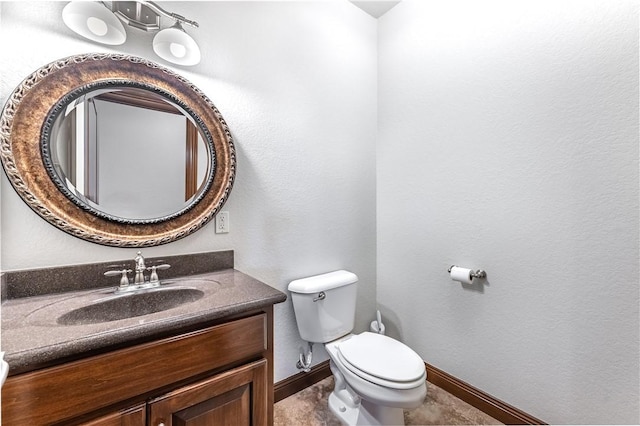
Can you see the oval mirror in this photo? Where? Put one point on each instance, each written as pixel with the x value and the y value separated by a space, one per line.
pixel 117 150
pixel 127 154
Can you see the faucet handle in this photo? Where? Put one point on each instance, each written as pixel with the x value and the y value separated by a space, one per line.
pixel 124 279
pixel 154 273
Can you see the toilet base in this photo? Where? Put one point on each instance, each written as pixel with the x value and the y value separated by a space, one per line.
pixel 347 415
pixel 365 413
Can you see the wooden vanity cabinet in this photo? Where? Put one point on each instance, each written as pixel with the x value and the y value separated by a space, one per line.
pixel 219 375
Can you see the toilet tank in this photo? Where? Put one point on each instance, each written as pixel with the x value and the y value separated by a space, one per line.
pixel 325 318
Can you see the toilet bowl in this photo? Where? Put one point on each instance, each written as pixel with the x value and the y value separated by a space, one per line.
pixel 375 376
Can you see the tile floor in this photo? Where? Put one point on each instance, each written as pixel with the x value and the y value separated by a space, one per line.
pixel 309 408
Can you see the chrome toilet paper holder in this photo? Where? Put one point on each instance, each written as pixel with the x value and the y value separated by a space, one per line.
pixel 479 273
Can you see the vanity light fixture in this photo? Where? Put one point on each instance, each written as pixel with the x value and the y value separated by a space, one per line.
pixel 97 22
pixel 175 45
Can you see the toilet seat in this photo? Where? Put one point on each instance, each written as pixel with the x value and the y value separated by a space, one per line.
pixel 382 360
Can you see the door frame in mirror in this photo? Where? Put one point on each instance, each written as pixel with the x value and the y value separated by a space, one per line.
pixel 29 107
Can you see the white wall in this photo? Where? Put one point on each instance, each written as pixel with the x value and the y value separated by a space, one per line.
pixel 508 141
pixel 296 82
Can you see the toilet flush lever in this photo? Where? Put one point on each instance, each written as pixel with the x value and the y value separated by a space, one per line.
pixel 321 296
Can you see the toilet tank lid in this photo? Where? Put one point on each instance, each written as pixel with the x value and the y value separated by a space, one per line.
pixel 323 282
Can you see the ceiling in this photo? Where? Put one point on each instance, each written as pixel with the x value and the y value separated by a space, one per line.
pixel 375 8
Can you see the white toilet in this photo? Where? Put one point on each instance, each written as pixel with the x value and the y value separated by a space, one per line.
pixel 375 376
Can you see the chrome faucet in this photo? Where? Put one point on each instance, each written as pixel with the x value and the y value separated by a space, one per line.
pixel 139 279
pixel 140 268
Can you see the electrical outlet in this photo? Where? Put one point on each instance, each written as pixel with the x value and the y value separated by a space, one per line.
pixel 222 223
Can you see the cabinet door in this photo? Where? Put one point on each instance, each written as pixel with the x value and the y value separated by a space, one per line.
pixel 237 398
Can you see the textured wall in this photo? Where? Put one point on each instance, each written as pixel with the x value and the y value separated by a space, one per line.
pixel 297 85
pixel 508 141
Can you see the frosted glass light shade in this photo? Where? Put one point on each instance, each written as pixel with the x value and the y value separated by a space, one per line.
pixel 94 21
pixel 175 45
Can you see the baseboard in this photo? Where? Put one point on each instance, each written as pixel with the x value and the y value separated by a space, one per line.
pixel 484 402
pixel 302 380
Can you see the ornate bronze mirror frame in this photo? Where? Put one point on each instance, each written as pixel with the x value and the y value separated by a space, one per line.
pixel 26 148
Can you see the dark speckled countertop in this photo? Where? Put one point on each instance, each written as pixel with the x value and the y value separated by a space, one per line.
pixel 32 338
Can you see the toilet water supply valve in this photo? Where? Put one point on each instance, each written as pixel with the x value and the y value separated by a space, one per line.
pixel 304 363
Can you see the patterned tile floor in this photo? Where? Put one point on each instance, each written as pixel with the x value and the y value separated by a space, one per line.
pixel 309 408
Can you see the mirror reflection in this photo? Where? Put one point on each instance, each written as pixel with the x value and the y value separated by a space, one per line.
pixel 128 153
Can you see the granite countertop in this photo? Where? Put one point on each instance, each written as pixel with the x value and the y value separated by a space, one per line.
pixel 32 337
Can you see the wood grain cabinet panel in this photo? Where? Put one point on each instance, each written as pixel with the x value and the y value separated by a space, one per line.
pixel 136 416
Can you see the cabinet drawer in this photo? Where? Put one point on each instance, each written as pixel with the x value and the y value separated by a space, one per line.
pixel 69 390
